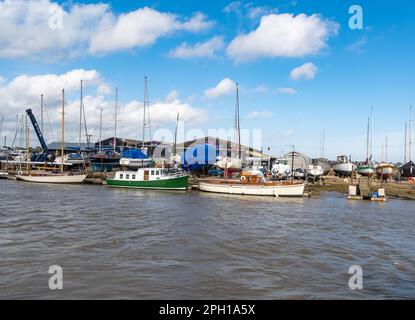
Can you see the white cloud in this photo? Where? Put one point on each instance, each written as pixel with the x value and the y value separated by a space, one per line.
pixel 172 96
pixel 358 46
pixel 262 88
pixel 24 92
pixel 283 35
pixel 306 71
pixel 224 87
pixel 25 28
pixel 287 90
pixel 259 114
pixel 199 50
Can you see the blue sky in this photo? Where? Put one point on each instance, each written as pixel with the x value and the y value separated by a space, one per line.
pixel 352 70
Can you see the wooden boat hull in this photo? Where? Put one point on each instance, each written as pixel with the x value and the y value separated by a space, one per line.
pixel 173 183
pixel 384 170
pixel 282 190
pixel 64 179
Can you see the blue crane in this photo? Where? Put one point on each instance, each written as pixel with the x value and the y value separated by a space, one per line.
pixel 42 157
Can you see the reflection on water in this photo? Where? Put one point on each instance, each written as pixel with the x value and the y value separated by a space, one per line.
pixel 122 243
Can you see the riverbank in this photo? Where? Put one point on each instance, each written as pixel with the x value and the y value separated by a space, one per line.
pixel 402 190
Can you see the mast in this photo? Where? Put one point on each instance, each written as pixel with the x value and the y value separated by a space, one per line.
pixel 386 150
pixel 41 113
pixel 237 123
pixel 80 118
pixel 371 132
pixel 410 133
pixel 116 113
pixel 367 140
pixel 63 130
pixel 146 111
pixel 175 136
pixel 1 124
pixel 405 143
pixel 100 131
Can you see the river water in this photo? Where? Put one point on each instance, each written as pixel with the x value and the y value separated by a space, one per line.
pixel 135 244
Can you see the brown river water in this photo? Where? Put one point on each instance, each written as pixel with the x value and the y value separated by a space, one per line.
pixel 137 244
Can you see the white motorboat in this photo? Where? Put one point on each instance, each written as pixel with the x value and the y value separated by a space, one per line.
pixel 315 171
pixel 344 167
pixel 281 169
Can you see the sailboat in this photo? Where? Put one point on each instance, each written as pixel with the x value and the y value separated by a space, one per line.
pixel 384 170
pixel 51 177
pixel 366 168
pixel 233 164
pixel 408 169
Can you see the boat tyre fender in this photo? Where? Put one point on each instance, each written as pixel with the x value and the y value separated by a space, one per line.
pixel 243 178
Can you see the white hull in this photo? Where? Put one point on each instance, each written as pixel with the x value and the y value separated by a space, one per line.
pixel 53 178
pixel 344 168
pixel 229 163
pixel 134 163
pixel 294 190
pixel 315 171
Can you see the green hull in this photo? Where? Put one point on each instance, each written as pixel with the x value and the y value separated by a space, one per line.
pixel 176 183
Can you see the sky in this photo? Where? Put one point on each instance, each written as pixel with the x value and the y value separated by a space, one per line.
pixel 303 68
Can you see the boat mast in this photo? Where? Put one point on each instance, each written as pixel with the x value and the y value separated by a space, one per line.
pixel 80 118
pixel 146 111
pixel 371 132
pixel 41 113
pixel 405 143
pixel 116 113
pixel 367 140
pixel 237 123
pixel 410 133
pixel 100 131
pixel 63 130
pixel 386 150
pixel 175 136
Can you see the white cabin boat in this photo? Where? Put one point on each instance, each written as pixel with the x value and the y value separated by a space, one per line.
pixel 344 167
pixel 254 185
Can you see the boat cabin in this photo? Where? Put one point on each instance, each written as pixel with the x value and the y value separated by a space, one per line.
pixel 252 178
pixel 141 175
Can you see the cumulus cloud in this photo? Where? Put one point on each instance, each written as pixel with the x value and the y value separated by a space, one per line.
pixel 142 28
pixel 259 114
pixel 287 90
pixel 283 35
pixel 49 30
pixel 199 50
pixel 223 88
pixel 22 92
pixel 306 71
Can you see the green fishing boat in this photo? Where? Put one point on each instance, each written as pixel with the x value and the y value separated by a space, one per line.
pixel 150 178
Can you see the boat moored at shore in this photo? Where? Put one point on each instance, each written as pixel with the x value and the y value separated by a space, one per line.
pixel 150 178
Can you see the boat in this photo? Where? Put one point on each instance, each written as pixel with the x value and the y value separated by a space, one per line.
pixel 344 167
pixel 44 176
pixel 366 168
pixel 315 171
pixel 281 169
pixel 253 183
pixel 150 178
pixel 384 170
pixel 229 163
pixel 324 164
pixel 52 178
pixel 3 174
pixel 135 158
